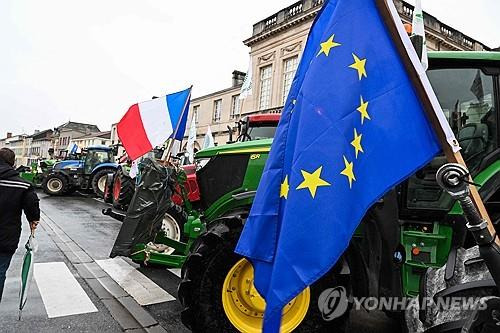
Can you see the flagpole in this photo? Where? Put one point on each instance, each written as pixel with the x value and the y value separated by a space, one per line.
pixel 451 155
pixel 168 151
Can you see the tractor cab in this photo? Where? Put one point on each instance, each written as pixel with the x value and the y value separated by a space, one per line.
pixel 256 127
pixel 94 156
pixel 428 224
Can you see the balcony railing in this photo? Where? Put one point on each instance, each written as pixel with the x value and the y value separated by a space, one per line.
pixel 286 15
pixel 293 10
pixel 433 24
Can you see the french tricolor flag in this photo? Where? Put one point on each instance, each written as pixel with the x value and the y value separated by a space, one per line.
pixel 149 124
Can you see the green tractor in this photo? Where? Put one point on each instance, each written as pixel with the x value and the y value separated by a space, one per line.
pixel 36 172
pixel 414 228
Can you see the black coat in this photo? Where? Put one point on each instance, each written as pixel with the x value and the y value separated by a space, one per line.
pixel 16 195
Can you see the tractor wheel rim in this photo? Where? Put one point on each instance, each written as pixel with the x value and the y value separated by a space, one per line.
pixel 171 229
pixel 101 183
pixel 244 307
pixel 117 187
pixel 54 185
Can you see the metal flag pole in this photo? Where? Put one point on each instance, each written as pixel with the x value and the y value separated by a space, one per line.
pixel 451 155
pixel 168 151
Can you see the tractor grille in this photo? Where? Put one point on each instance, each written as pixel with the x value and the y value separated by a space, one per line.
pixel 223 174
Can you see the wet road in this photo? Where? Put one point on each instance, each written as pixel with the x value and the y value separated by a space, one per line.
pixel 75 234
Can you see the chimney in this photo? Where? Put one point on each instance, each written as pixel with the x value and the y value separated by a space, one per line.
pixel 37 131
pixel 9 135
pixel 238 78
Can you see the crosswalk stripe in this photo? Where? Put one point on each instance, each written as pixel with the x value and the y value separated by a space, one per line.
pixel 61 293
pixel 136 284
pixel 176 271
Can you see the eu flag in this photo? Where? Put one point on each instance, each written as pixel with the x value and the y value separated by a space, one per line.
pixel 352 128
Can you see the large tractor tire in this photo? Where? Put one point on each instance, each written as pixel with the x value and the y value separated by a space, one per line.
pixel 98 181
pixel 108 188
pixel 123 190
pixel 218 295
pixel 55 184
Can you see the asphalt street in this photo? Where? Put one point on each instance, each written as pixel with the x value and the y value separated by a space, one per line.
pixel 111 295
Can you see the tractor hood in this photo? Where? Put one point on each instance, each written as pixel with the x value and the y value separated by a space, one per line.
pixel 68 164
pixel 247 147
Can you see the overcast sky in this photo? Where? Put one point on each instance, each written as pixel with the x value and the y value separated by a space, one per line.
pixel 88 61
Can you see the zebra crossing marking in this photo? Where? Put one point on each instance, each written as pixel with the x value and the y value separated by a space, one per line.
pixel 136 284
pixel 61 293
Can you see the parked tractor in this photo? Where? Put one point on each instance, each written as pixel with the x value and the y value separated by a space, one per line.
pixel 36 172
pixel 120 186
pixel 415 227
pixel 255 127
pixel 89 172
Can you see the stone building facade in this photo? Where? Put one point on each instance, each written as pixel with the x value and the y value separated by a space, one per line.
pixel 19 144
pixel 31 148
pixel 40 144
pixel 275 48
pixel 94 139
pixel 65 133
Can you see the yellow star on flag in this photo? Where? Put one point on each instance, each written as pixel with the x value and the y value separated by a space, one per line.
pixel 356 143
pixel 359 65
pixel 312 181
pixel 363 109
pixel 284 188
pixel 348 171
pixel 327 46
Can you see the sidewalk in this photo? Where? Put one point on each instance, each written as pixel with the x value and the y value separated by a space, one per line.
pixel 35 317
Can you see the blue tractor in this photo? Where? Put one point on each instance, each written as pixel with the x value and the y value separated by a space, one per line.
pixel 88 172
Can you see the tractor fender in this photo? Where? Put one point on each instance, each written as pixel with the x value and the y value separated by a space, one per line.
pixel 62 172
pixel 104 165
pixel 58 172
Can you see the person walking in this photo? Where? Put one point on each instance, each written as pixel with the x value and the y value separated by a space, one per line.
pixel 16 195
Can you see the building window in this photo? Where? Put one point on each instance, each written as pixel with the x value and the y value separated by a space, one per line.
pixel 266 74
pixel 289 69
pixel 235 106
pixel 217 110
pixel 196 113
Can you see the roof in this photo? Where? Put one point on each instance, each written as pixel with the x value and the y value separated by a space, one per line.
pixel 465 55
pixel 103 135
pixel 271 117
pixel 99 147
pixel 235 148
pixel 41 134
pixel 80 127
pixel 306 10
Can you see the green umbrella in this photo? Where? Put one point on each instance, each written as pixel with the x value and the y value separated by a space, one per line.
pixel 26 272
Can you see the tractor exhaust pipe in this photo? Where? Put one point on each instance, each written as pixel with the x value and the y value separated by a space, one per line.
pixel 452 178
pixel 117 216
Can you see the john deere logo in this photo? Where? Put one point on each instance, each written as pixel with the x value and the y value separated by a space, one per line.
pixel 333 303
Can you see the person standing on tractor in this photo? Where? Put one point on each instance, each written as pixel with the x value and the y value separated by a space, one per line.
pixel 16 195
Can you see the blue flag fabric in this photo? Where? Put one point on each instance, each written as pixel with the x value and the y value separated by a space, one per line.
pixel 352 128
pixel 178 106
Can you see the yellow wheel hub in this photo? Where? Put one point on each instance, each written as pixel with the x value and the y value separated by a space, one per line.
pixel 244 307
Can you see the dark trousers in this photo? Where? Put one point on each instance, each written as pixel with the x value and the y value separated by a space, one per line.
pixel 4 265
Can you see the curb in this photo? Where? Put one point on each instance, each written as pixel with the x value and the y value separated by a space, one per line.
pixel 123 308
